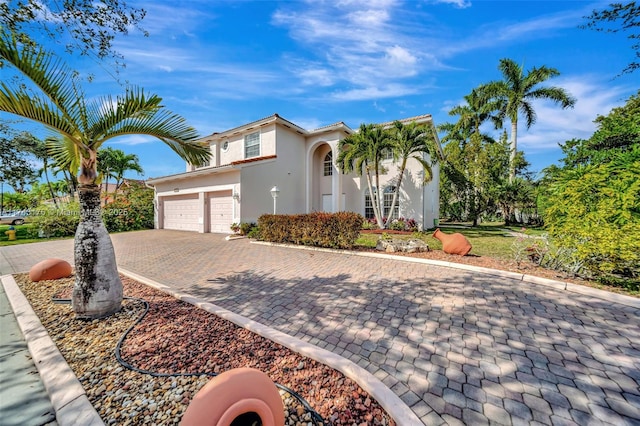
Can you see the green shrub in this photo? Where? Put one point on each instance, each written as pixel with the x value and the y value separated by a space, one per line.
pixel 254 233
pixel 334 230
pixel 52 222
pixel 132 211
pixel 594 212
pixel 246 227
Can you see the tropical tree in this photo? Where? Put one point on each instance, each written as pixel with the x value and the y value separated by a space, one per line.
pixel 591 205
pixel 92 27
pixel 363 152
pixel 627 15
pixel 412 141
pixel 66 160
pixel 16 158
pixel 56 101
pixel 115 163
pixel 618 132
pixel 474 163
pixel 516 92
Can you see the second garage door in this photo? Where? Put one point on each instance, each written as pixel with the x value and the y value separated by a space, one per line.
pixel 181 212
pixel 221 212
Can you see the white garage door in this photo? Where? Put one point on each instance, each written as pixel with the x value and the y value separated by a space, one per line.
pixel 181 212
pixel 221 210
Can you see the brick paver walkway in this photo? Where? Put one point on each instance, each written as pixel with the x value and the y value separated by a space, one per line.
pixel 457 346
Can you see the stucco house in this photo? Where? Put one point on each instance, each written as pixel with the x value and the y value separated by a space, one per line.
pixel 248 161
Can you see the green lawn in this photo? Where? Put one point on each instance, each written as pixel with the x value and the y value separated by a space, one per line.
pixel 24 234
pixel 487 240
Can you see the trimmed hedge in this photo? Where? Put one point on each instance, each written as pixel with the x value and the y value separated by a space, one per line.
pixel 331 230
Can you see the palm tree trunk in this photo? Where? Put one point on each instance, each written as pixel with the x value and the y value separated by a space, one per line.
pixel 46 176
pixel 396 193
pixel 97 291
pixel 514 149
pixel 374 202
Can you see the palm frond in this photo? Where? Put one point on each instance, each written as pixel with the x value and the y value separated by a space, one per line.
pixel 65 152
pixel 55 80
pixel 36 108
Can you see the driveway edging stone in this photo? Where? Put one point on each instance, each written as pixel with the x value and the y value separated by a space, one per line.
pixel 68 397
pixel 622 299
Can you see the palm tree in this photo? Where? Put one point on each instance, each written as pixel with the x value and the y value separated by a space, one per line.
pixel 362 152
pixel 56 101
pixel 517 90
pixel 411 141
pixel 122 164
pixel 106 160
pixel 472 146
pixel 115 163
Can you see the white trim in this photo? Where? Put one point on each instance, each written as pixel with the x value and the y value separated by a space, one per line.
pixel 197 190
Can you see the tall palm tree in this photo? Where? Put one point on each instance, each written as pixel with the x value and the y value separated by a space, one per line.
pixel 56 101
pixel 472 145
pixel 411 141
pixel 124 163
pixel 517 90
pixel 363 152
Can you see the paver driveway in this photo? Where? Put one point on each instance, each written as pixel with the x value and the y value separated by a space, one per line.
pixel 456 346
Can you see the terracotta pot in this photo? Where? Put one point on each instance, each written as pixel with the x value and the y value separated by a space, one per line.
pixel 232 394
pixel 453 243
pixel 50 269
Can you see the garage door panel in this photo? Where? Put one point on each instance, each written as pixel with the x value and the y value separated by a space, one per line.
pixel 221 212
pixel 181 212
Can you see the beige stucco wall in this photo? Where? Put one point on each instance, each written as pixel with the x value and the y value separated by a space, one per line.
pixel 287 172
pixel 297 171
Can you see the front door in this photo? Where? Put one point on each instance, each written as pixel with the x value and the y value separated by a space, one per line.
pixel 327 203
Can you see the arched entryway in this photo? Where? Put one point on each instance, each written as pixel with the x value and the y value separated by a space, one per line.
pixel 322 171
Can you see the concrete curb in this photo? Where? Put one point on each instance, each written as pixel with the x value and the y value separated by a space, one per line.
pixel 69 400
pixel 622 299
pixel 392 403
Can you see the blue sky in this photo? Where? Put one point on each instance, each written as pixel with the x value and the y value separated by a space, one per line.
pixel 222 64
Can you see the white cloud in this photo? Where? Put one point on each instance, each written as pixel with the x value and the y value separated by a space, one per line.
pixel 369 18
pixel 362 45
pixel 133 140
pixel 460 4
pixel 316 76
pixel 503 33
pixel 400 62
pixel 375 92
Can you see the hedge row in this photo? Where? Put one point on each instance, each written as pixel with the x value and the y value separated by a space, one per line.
pixel 332 230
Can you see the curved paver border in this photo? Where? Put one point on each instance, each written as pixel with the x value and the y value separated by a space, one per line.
pixel 68 397
pixel 394 406
pixel 622 299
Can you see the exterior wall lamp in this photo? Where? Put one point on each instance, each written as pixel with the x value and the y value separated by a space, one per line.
pixel 274 193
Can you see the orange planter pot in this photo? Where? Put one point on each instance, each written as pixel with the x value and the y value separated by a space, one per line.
pixel 50 269
pixel 232 394
pixel 453 243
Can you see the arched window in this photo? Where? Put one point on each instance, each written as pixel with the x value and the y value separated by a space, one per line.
pixel 388 198
pixel 328 164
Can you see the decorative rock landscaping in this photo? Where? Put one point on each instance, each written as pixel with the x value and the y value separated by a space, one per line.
pixel 178 338
pixel 401 246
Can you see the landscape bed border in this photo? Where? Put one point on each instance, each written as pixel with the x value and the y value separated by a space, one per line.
pixel 69 398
